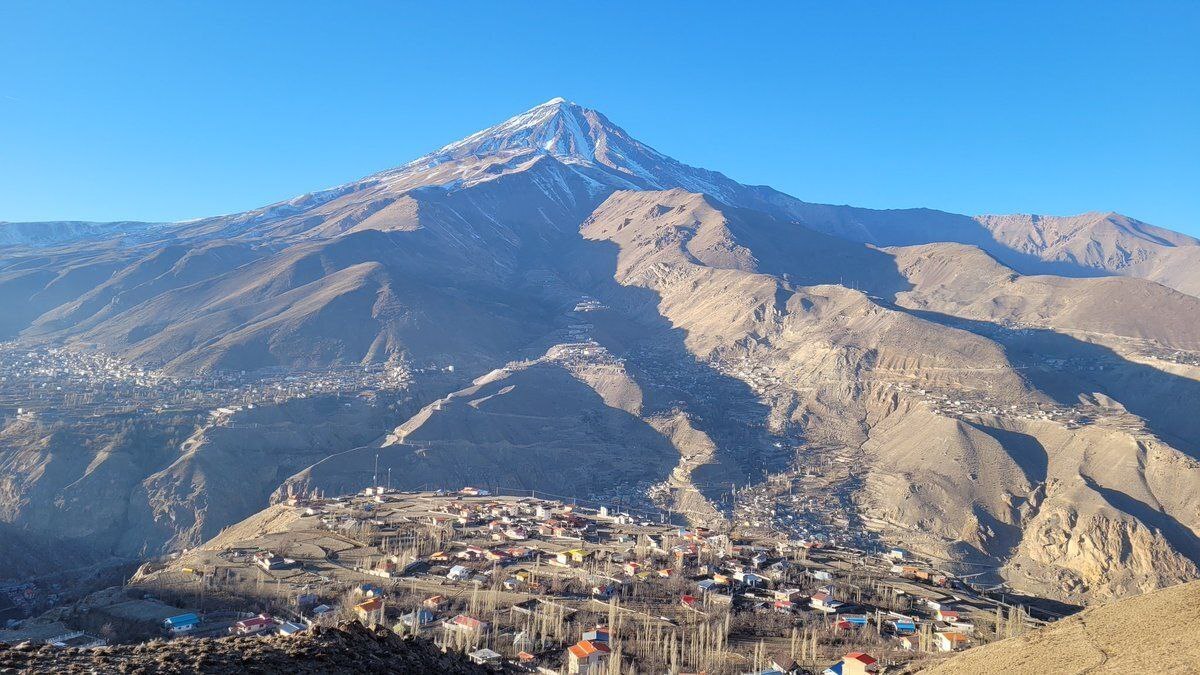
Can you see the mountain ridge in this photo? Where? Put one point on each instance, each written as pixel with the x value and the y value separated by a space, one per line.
pixel 986 414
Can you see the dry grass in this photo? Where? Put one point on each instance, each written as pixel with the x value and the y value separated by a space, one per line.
pixel 1153 632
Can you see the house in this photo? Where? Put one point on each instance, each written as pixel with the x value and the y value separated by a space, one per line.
pixel 751 579
pixel 850 622
pixel 418 618
pixel 257 624
pixel 632 568
pixel 789 594
pixel 822 601
pixel 467 624
pixel 858 663
pixel 946 615
pixel 368 590
pixel 181 623
pixel 949 641
pixel 290 628
pixel 902 626
pixel 587 657
pixel 270 561
pixel 458 573
pixel 485 657
pixel 370 612
pixel 854 663
pixel 599 634
pixel 322 610
pixel 784 663
pixel 434 602
pixel 575 555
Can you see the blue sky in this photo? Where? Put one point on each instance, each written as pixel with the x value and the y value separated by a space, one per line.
pixel 174 110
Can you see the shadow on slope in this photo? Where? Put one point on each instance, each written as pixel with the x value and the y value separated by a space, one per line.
pixel 724 408
pixel 911 227
pixel 1062 367
pixel 1027 451
pixel 534 427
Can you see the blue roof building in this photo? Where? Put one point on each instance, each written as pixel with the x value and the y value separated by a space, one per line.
pixel 181 622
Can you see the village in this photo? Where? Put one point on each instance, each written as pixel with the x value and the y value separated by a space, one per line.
pixel 526 583
pixel 52 383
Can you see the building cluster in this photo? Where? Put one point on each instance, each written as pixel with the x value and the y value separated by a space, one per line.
pixel 544 585
pixel 58 382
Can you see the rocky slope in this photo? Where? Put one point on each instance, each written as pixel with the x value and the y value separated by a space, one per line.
pixel 347 648
pixel 1103 243
pixel 1056 504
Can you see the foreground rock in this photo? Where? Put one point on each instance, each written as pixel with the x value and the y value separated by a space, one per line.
pixel 1122 637
pixel 347 648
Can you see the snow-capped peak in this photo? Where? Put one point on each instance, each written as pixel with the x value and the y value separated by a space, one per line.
pixel 558 127
pixel 572 134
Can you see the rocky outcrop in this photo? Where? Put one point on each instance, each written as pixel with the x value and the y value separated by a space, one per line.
pixel 348 648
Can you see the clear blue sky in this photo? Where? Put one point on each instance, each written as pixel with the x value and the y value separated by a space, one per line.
pixel 172 110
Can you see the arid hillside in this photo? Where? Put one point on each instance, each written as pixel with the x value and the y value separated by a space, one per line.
pixel 1153 631
pixel 575 311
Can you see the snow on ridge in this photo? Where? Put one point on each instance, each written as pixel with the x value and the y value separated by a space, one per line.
pixel 62 231
pixel 573 135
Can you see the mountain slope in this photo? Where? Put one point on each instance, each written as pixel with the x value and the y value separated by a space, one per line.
pixel 617 319
pixel 1122 637
pixel 1106 243
pixel 851 374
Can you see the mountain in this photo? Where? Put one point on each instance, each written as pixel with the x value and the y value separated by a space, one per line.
pixel 578 309
pixel 1120 637
pixel 56 232
pixel 1104 243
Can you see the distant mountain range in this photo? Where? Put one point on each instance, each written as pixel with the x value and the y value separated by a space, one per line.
pixel 1013 393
